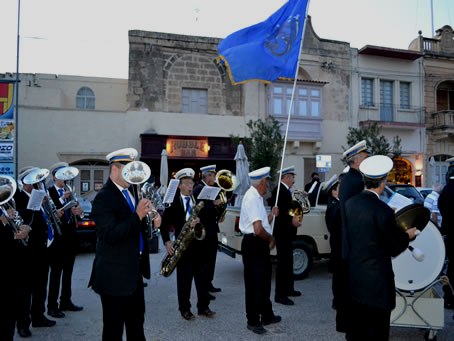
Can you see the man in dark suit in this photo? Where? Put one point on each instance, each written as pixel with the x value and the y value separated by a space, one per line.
pixel 62 252
pixel 191 265
pixel 373 239
pixel 122 258
pixel 12 263
pixel 334 225
pixel 209 219
pixel 445 205
pixel 284 232
pixel 36 267
pixel 352 184
pixel 314 185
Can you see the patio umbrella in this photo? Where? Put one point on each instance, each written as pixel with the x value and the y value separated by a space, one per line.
pixel 242 173
pixel 164 173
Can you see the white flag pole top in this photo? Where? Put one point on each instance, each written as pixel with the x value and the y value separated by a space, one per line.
pixel 288 116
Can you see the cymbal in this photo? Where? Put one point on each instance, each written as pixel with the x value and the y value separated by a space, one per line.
pixel 414 215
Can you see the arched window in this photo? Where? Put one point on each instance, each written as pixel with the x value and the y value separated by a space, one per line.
pixel 85 99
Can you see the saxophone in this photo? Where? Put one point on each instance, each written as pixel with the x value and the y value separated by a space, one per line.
pixel 184 239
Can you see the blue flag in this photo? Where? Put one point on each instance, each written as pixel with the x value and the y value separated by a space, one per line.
pixel 268 50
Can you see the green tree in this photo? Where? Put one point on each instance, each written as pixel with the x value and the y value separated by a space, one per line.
pixel 377 144
pixel 264 146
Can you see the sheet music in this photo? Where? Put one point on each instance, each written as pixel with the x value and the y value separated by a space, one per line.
pixel 312 187
pixel 36 199
pixel 398 201
pixel 171 190
pixel 209 193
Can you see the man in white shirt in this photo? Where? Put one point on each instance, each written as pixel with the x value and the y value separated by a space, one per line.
pixel 431 202
pixel 257 242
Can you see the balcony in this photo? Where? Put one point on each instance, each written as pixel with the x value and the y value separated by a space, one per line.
pixel 392 116
pixel 442 124
pixel 301 128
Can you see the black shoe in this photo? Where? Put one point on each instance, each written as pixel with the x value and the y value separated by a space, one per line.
pixel 145 284
pixel 207 313
pixel 24 332
pixel 294 293
pixel 55 313
pixel 284 301
pixel 70 307
pixel 43 322
pixel 211 297
pixel 275 319
pixel 187 315
pixel 258 329
pixel 213 289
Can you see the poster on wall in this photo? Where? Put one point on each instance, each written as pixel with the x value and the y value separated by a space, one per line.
pixel 6 150
pixel 6 100
pixel 7 130
pixel 7 168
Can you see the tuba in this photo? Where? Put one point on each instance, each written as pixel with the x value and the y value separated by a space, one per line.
pixel 227 182
pixel 68 174
pixel 36 178
pixel 184 239
pixel 8 187
pixel 300 204
pixel 136 173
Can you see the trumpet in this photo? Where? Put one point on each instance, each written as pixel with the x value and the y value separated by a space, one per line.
pixel 227 182
pixel 36 178
pixel 136 173
pixel 8 187
pixel 68 174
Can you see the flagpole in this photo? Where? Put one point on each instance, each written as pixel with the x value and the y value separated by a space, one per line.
pixel 16 114
pixel 289 113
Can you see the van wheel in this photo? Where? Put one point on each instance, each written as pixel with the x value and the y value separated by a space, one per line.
pixel 302 259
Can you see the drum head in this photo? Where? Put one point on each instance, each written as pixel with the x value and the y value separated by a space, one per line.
pixel 414 215
pixel 412 275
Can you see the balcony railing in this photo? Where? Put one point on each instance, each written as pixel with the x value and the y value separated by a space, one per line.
pixel 392 114
pixel 443 119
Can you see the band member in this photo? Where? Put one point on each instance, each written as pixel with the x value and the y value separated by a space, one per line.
pixel 257 242
pixel 373 238
pixel 191 265
pixel 445 204
pixel 11 265
pixel 122 257
pixel 312 188
pixel 352 184
pixel 209 219
pixel 284 232
pixel 63 250
pixel 36 268
pixel 334 225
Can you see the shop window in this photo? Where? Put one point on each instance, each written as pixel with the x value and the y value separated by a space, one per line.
pixel 401 173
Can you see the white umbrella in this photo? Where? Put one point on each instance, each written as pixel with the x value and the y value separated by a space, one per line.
pixel 242 173
pixel 164 173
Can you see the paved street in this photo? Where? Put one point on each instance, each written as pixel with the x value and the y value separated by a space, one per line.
pixel 311 318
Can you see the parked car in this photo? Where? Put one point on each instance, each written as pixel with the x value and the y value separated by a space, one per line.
pixel 425 191
pixel 408 191
pixel 86 227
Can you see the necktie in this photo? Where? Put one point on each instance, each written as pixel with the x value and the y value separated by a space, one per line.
pixel 188 207
pixel 131 206
pixel 50 232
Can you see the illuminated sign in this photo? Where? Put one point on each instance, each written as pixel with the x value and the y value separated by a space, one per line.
pixel 190 148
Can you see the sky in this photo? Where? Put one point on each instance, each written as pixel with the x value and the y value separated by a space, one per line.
pixel 90 37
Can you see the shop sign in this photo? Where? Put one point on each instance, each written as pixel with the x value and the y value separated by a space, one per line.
pixel 190 148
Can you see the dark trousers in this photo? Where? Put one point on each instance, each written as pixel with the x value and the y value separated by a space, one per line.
pixel 369 323
pixel 34 291
pixel 61 259
pixel 8 314
pixel 284 268
pixel 257 279
pixel 342 298
pixel 124 311
pixel 192 266
pixel 211 246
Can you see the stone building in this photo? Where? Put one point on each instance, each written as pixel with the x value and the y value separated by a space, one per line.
pixel 438 95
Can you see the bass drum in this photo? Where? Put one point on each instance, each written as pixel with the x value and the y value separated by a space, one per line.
pixel 412 275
